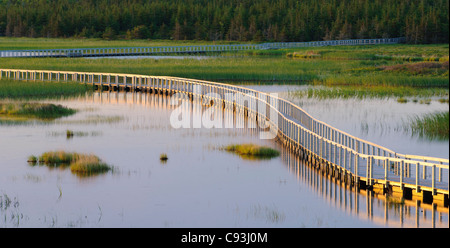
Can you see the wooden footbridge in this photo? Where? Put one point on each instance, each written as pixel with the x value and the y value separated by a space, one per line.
pixel 139 51
pixel 356 161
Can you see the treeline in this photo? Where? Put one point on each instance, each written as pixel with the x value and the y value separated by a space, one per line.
pixel 420 21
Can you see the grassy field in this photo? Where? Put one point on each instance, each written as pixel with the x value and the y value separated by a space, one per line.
pixel 338 65
pixel 59 43
pixel 257 69
pixel 399 52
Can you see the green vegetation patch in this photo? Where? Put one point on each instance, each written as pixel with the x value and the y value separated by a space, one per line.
pixel 80 164
pixel 252 150
pixel 361 92
pixel 432 126
pixel 44 111
pixel 337 65
pixel 14 89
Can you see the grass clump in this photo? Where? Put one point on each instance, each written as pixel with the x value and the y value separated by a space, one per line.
pixel 252 150
pixel 46 111
pixel 32 159
pixel 88 164
pixel 432 126
pixel 80 164
pixel 163 157
pixel 56 158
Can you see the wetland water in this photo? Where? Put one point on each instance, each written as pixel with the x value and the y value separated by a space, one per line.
pixel 383 121
pixel 200 185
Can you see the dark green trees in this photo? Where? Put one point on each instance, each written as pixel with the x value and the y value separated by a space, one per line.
pixel 420 21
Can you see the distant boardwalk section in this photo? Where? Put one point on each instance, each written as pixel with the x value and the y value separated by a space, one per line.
pixel 136 51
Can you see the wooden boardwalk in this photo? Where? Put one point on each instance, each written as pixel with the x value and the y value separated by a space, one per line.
pixel 358 162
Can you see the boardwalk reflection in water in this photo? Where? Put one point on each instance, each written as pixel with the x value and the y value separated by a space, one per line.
pixel 381 209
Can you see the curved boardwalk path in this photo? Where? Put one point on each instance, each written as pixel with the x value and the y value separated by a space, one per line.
pixel 355 161
pixel 133 51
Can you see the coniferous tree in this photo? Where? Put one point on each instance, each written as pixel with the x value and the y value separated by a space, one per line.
pixel 419 21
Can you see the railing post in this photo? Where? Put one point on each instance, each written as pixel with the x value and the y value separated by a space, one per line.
pixel 433 183
pixel 369 164
pixel 417 176
pixel 401 173
pixel 386 166
pixel 356 167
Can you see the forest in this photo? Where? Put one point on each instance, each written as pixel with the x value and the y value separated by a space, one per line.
pixel 419 21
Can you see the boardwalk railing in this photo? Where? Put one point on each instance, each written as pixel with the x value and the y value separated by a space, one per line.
pixel 120 51
pixel 350 155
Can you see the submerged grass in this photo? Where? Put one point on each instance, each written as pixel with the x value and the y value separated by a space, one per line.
pixel 43 111
pixel 252 150
pixel 431 126
pixel 80 164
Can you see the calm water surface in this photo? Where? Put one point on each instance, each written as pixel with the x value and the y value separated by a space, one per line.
pixel 199 186
pixel 381 121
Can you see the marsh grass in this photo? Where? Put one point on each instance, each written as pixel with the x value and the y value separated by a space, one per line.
pixel 88 164
pixel 421 68
pixel 252 151
pixel 18 89
pixel 359 71
pixel 23 43
pixel 223 68
pixel 431 126
pixel 401 52
pixel 361 92
pixel 163 157
pixel 43 111
pixel 256 69
pixel 80 164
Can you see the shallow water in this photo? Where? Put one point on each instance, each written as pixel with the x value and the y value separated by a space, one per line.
pixel 381 121
pixel 199 186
